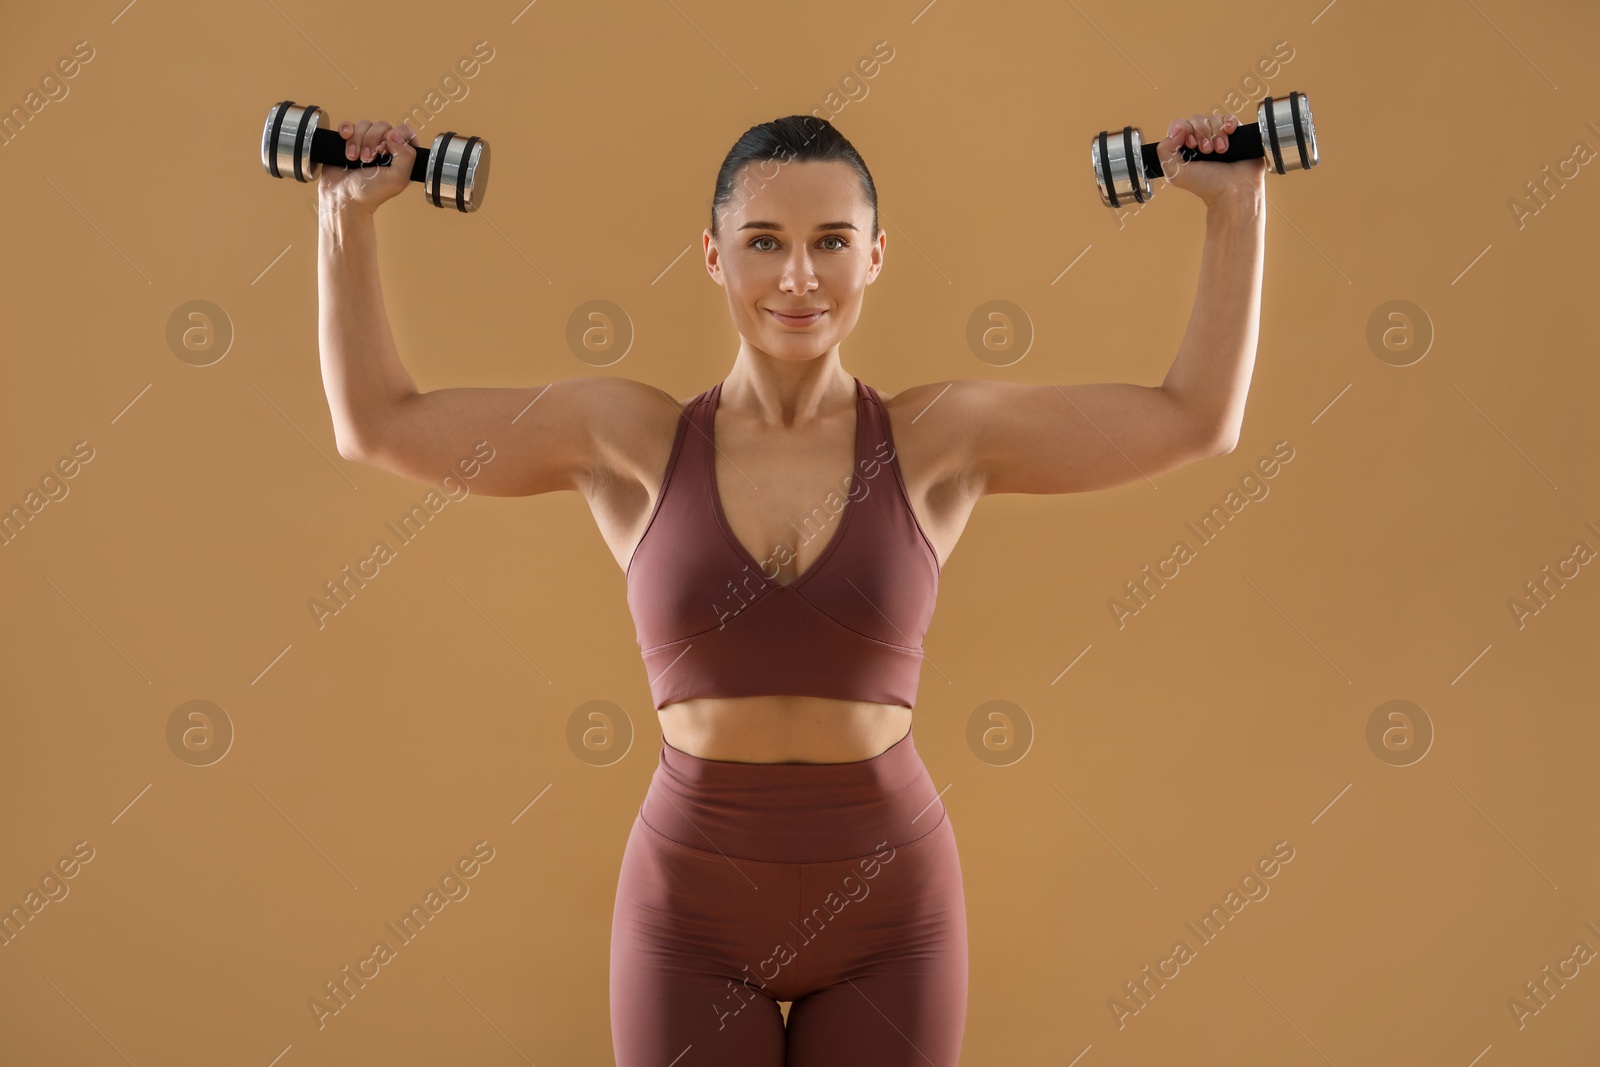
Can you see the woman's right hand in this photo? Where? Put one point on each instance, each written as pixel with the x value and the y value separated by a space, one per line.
pixel 368 187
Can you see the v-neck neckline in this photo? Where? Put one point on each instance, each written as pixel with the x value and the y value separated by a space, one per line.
pixel 844 513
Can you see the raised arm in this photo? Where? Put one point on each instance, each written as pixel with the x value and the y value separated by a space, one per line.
pixel 1072 438
pixel 544 437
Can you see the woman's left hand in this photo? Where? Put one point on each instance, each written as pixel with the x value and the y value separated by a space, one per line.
pixel 1214 181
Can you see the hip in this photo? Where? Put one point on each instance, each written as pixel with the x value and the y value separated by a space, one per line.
pixel 793 812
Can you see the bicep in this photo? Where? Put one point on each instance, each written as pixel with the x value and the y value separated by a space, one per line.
pixel 503 441
pixel 1075 438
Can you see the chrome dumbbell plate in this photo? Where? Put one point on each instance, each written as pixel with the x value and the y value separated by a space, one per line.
pixel 1287 133
pixel 457 172
pixel 286 141
pixel 1121 180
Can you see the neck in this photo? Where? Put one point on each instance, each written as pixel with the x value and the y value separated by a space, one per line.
pixel 784 392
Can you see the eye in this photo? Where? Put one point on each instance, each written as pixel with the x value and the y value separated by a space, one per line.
pixel 840 247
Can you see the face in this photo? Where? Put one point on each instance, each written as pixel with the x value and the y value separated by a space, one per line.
pixel 796 239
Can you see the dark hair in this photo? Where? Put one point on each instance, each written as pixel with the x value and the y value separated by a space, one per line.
pixel 791 139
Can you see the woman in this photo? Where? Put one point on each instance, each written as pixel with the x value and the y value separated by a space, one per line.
pixel 791 846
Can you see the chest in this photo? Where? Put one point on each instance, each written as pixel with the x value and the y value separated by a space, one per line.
pixel 809 537
pixel 785 497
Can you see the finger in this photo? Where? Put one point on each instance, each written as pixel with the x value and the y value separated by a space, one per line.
pixel 1191 136
pixel 1229 124
pixel 398 140
pixel 352 147
pixel 1202 127
pixel 1167 149
pixel 372 143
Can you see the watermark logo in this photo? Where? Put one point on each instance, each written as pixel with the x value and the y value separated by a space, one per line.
pixel 199 332
pixel 599 332
pixel 1253 488
pixel 1539 192
pixel 341 592
pixel 1539 591
pixel 1543 989
pixel 853 86
pixel 599 732
pixel 199 732
pixel 1399 732
pixel 15 117
pixel 17 916
pixel 452 84
pixel 999 332
pixel 1251 888
pixel 52 489
pixel 1399 332
pixel 999 732
pixel 339 991
pixel 851 889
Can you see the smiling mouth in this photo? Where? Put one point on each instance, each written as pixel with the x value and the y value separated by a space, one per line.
pixel 797 320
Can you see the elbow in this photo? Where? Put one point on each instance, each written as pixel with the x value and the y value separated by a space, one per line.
pixel 351 448
pixel 1208 433
pixel 1220 438
pixel 358 442
pixel 1217 440
pixel 1211 441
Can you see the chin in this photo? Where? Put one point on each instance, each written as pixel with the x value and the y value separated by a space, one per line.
pixel 796 357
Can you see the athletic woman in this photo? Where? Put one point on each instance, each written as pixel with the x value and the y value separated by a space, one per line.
pixel 782 535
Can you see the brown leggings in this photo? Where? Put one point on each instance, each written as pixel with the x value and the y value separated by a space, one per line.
pixel 832 885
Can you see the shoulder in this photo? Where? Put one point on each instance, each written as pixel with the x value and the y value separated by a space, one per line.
pixel 954 408
pixel 964 395
pixel 936 424
pixel 627 394
pixel 632 425
pixel 622 406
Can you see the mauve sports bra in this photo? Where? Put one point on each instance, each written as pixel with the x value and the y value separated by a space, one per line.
pixel 712 623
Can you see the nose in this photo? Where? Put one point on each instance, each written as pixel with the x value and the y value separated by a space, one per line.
pixel 798 276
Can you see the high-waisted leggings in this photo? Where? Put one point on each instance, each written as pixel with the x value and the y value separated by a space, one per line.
pixel 835 886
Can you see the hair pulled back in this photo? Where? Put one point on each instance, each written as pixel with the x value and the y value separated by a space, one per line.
pixel 791 139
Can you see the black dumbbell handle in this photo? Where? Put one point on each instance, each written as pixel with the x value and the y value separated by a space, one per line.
pixel 1243 143
pixel 327 147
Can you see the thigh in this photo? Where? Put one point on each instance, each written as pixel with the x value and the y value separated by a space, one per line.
pixel 886 960
pixel 690 932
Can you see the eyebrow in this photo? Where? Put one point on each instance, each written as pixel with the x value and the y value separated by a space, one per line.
pixel 762 224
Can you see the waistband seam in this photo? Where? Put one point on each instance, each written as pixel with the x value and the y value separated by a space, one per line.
pixel 944 815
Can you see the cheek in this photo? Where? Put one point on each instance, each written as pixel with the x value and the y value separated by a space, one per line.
pixel 746 290
pixel 738 270
pixel 745 300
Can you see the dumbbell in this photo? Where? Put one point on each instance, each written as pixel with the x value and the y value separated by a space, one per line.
pixel 1282 123
pixel 454 172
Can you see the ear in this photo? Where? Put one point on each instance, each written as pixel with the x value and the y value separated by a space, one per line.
pixel 713 255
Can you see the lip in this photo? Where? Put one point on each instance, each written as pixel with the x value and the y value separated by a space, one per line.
pixel 805 318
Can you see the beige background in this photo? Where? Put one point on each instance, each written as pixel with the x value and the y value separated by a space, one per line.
pixel 1230 714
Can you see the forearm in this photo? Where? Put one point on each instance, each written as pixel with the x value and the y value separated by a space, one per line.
pixel 361 370
pixel 1211 375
